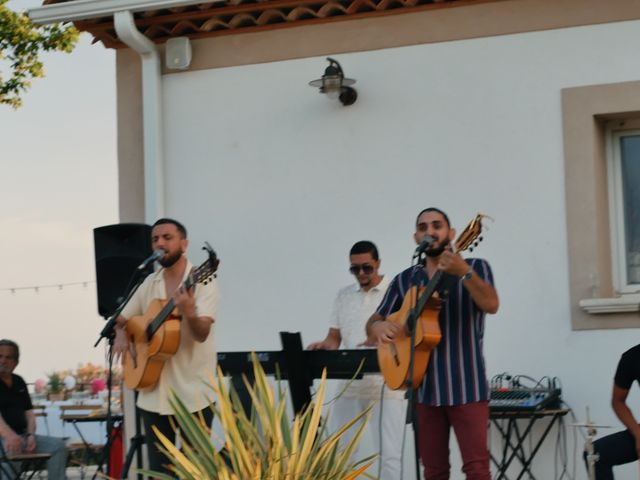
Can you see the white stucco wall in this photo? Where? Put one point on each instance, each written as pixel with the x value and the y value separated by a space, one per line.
pixel 282 181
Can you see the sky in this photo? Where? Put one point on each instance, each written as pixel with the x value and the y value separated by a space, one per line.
pixel 59 182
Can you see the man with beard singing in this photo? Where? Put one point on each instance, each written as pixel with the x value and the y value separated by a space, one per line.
pixel 188 371
pixel 454 391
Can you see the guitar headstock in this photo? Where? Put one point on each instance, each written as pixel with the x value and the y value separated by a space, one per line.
pixel 212 259
pixel 208 269
pixel 471 236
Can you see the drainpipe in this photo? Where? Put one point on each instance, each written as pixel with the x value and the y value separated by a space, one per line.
pixel 151 113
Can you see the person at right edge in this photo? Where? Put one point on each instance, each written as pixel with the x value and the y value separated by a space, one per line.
pixel 621 447
pixel 454 392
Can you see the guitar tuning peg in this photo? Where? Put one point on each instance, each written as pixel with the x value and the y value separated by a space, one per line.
pixel 471 249
pixel 480 238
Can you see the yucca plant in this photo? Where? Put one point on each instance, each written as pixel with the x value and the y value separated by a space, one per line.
pixel 266 445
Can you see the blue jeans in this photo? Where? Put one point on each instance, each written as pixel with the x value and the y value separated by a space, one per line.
pixel 615 449
pixel 57 464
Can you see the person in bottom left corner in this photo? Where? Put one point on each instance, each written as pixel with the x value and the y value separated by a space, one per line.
pixel 17 419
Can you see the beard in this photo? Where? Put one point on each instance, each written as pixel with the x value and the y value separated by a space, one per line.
pixel 170 260
pixel 437 251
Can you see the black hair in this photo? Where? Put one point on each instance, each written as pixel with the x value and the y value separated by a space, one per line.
pixel 10 343
pixel 364 246
pixel 437 210
pixel 181 228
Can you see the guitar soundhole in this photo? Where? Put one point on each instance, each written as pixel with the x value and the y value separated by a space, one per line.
pixel 133 351
pixel 395 354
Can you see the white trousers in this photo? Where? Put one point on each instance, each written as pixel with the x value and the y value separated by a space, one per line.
pixel 383 435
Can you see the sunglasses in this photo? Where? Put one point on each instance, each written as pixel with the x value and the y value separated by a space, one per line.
pixel 366 268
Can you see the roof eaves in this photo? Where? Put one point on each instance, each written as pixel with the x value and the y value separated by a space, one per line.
pixel 72 11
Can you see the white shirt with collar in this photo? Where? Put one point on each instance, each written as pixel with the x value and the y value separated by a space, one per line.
pixel 351 309
pixel 187 373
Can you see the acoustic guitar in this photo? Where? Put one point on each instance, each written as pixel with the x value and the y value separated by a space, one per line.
pixel 155 336
pixel 394 357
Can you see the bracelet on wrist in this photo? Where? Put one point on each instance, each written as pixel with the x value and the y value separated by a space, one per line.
pixel 468 275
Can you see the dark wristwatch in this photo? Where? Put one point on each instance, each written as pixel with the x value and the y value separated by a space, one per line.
pixel 468 275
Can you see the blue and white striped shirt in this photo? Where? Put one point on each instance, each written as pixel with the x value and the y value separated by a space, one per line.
pixel 456 373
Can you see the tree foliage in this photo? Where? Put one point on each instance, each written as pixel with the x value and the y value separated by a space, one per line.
pixel 21 42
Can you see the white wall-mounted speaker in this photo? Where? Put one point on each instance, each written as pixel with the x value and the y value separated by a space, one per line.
pixel 178 53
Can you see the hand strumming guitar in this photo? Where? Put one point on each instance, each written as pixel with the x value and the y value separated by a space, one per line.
pixel 452 263
pixel 121 342
pixel 380 331
pixel 184 300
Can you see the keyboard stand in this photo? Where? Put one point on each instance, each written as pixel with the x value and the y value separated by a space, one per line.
pixel 514 437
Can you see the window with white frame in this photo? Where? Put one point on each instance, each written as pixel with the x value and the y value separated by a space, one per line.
pixel 624 203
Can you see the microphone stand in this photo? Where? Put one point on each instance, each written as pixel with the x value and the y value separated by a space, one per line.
pixel 411 323
pixel 108 332
pixel 110 422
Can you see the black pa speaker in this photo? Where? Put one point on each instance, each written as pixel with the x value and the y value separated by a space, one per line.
pixel 119 249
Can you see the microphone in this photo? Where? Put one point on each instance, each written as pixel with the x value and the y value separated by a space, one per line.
pixel 156 255
pixel 424 244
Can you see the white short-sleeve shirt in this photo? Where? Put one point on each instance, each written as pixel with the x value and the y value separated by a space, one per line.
pixel 352 308
pixel 187 373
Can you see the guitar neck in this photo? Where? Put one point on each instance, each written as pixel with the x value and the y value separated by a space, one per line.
pixel 414 313
pixel 428 291
pixel 166 311
pixel 157 322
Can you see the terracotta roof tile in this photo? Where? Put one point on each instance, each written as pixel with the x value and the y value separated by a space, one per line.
pixel 239 16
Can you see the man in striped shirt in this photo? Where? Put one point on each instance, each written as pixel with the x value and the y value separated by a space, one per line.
pixel 454 391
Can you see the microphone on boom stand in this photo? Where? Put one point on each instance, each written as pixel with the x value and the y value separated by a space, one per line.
pixel 108 332
pixel 156 255
pixel 424 245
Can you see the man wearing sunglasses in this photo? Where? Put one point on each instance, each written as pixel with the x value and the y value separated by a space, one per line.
pixel 353 305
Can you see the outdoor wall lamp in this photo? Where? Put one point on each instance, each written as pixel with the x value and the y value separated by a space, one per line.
pixel 335 85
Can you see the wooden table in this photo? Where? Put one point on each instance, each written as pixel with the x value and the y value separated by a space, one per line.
pixel 91 415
